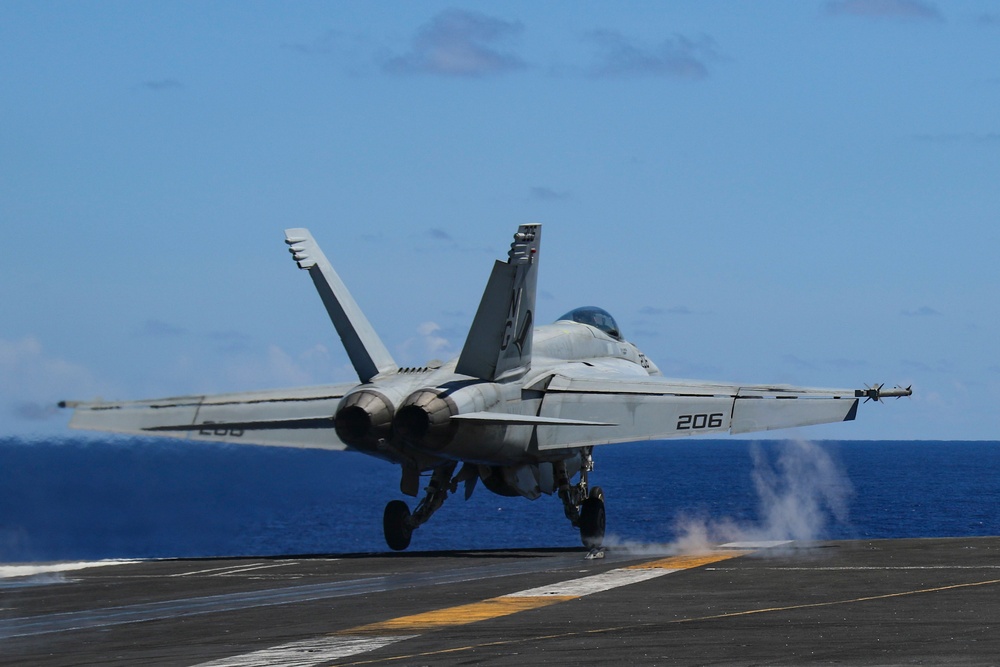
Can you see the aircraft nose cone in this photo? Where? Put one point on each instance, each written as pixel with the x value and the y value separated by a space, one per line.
pixel 363 418
pixel 424 420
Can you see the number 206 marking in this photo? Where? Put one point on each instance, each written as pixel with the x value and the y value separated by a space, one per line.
pixel 691 422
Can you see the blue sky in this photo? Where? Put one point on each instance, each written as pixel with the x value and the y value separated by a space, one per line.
pixel 801 192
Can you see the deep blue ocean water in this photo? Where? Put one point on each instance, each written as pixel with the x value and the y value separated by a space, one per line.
pixel 86 498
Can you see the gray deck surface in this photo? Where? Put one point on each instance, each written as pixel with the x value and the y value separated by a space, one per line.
pixel 891 602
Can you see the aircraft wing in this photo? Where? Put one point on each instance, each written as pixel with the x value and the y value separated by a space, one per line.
pixel 300 417
pixel 654 408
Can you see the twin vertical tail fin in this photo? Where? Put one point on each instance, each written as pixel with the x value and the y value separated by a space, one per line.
pixel 499 342
pixel 364 348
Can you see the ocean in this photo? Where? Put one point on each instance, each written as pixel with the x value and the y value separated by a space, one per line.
pixel 86 498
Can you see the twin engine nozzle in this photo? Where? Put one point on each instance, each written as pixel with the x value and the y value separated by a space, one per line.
pixel 424 420
pixel 421 419
pixel 363 418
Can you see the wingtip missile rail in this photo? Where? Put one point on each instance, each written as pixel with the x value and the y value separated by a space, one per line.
pixel 877 393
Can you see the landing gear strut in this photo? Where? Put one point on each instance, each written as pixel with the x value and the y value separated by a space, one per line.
pixel 584 507
pixel 397 522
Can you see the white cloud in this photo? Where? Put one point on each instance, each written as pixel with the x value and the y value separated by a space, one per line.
pixel 273 368
pixel 678 57
pixel 459 43
pixel 32 382
pixel 428 344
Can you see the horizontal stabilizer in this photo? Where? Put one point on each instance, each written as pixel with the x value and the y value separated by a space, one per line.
pixel 286 418
pixel 264 425
pixel 524 420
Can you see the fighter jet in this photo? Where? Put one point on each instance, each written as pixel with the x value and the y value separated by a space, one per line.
pixel 521 409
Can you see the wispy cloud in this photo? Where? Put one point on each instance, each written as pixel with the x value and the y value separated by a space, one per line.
pixel 678 57
pixel 352 50
pixel 230 341
pixel 542 193
pixel 459 43
pixel 431 342
pixel 32 381
pixel 798 362
pixel 907 10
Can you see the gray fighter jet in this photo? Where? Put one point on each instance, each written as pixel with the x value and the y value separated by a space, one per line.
pixel 521 408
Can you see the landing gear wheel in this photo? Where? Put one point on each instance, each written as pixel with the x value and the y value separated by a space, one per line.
pixel 592 519
pixel 394 524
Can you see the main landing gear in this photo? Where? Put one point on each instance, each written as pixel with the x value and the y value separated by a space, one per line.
pixel 397 522
pixel 583 506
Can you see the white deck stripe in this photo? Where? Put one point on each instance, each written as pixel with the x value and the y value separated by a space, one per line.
pixel 307 652
pixel 594 584
pixel 7 571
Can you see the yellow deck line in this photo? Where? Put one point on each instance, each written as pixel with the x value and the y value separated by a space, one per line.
pixel 460 615
pixel 515 602
pixel 687 562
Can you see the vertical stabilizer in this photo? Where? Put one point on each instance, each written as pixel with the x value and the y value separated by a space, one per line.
pixel 499 342
pixel 367 352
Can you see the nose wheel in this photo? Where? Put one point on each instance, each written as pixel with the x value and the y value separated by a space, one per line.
pixel 592 519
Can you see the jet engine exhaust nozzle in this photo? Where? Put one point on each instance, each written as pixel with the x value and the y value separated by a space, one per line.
pixel 424 420
pixel 363 418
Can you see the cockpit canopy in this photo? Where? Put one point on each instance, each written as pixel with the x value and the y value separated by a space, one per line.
pixel 595 317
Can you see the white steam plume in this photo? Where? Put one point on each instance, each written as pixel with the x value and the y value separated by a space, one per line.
pixel 797 494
